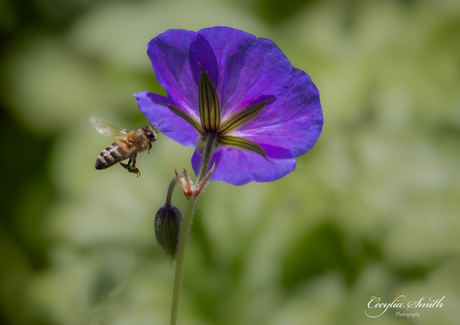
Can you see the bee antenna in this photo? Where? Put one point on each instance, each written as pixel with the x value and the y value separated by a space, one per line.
pixel 161 131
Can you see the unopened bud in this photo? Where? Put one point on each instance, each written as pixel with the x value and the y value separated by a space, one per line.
pixel 168 224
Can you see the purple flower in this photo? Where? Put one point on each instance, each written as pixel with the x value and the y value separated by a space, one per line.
pixel 265 111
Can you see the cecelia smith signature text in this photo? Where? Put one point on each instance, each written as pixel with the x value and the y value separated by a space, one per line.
pixel 376 308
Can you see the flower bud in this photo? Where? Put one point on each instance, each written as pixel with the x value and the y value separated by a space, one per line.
pixel 168 224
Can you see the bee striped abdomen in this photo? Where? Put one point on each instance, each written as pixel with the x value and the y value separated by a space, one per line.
pixel 113 154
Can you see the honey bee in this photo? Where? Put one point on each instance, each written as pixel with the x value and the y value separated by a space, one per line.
pixel 128 145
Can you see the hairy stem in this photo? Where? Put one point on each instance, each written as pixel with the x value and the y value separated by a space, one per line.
pixel 179 274
pixel 211 140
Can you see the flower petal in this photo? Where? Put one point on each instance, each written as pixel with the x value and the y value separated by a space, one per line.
pixel 293 121
pixel 230 47
pixel 298 136
pixel 249 66
pixel 239 167
pixel 201 57
pixel 252 67
pixel 169 54
pixel 155 108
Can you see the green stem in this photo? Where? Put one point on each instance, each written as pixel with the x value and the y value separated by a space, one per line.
pixel 186 225
pixel 171 186
pixel 211 139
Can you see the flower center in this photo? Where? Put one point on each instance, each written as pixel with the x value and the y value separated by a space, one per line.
pixel 210 118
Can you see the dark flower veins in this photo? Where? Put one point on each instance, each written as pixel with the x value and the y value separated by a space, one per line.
pixel 265 111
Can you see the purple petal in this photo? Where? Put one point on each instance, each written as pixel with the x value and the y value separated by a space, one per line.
pixel 202 57
pixel 276 152
pixel 230 47
pixel 264 71
pixel 169 53
pixel 249 67
pixel 293 121
pixel 239 167
pixel 153 106
pixel 252 67
pixel 297 136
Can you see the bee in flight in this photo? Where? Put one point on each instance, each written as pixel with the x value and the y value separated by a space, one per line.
pixel 128 145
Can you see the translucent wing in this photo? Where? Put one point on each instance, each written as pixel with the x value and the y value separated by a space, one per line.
pixel 107 129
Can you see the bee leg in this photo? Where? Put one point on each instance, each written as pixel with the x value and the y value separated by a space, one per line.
pixel 131 169
pixel 132 160
pixel 131 165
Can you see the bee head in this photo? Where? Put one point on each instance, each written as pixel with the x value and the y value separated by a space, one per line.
pixel 150 133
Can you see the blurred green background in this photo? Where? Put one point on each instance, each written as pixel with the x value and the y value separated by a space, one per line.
pixel 372 210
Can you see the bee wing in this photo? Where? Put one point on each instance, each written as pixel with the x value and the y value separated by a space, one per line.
pixel 107 129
